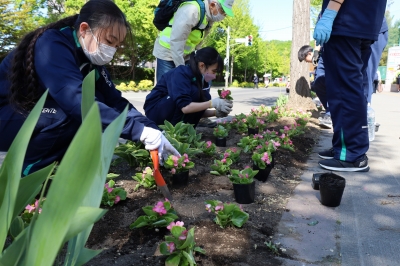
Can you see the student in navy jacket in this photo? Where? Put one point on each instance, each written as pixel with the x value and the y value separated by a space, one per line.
pixel 58 57
pixel 347 29
pixel 183 93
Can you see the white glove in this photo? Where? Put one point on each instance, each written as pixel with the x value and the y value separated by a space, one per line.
pixel 151 138
pixel 220 114
pixel 222 105
pixel 165 150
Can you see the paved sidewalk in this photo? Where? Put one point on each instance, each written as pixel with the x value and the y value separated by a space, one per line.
pixel 365 228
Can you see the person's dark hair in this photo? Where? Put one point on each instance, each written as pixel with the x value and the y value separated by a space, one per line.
pixel 209 56
pixel 24 90
pixel 303 52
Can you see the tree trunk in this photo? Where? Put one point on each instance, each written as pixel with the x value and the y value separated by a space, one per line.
pixel 133 66
pixel 300 96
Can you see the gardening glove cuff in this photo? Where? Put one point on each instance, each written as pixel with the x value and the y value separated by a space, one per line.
pixel 151 138
pixel 165 150
pixel 323 29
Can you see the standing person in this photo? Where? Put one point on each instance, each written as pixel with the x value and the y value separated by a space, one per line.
pixel 266 80
pixel 347 29
pixel 255 81
pixel 183 94
pixel 57 57
pixel 175 43
pixel 376 54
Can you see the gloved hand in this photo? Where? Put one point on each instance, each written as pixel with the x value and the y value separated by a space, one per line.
pixel 323 29
pixel 151 138
pixel 165 150
pixel 222 105
pixel 220 114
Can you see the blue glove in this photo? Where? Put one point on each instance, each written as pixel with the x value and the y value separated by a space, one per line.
pixel 323 29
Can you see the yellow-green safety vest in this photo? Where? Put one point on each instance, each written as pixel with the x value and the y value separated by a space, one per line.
pixel 194 38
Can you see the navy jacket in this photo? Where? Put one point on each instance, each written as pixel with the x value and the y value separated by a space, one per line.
pixel 359 18
pixel 58 58
pixel 176 89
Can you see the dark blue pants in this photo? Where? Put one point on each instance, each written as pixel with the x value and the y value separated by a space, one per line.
pixel 319 85
pixel 346 61
pixel 50 138
pixel 373 63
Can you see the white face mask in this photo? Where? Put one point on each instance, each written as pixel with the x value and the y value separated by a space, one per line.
pixel 103 54
pixel 217 17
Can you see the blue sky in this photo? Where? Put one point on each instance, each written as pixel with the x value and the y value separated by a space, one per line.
pixel 275 17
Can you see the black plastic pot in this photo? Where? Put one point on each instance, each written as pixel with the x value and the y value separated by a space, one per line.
pixel 252 131
pixel 180 179
pixel 331 187
pixel 244 193
pixel 273 159
pixel 262 174
pixel 315 180
pixel 220 142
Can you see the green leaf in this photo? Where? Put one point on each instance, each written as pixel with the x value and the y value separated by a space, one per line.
pixel 87 93
pixel 11 169
pixel 17 226
pixel 214 173
pixel 63 201
pixel 173 260
pixel 164 249
pixel 176 231
pixel 140 222
pixel 13 254
pixel 200 250
pixel 30 186
pixel 189 241
pixel 239 218
pixel 86 255
pixel 189 258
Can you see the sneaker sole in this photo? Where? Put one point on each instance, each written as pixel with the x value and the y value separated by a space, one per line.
pixel 325 126
pixel 346 169
pixel 325 157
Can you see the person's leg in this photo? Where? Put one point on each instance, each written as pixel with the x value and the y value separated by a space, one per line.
pixel 319 85
pixel 346 60
pixel 373 62
pixel 163 67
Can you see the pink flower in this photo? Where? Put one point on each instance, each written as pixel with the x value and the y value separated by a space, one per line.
pixel 276 111
pixel 109 189
pixel 186 158
pixel 208 144
pixel 173 171
pixel 183 235
pixel 172 224
pixel 219 207
pixel 226 155
pixel 178 223
pixel 241 208
pixel 225 93
pixel 247 166
pixel 258 147
pixel 171 247
pixel 30 208
pixel 223 160
pixel 233 149
pixel 247 175
pixel 183 165
pixel 286 128
pixel 117 199
pixel 208 207
pixel 159 208
pixel 282 136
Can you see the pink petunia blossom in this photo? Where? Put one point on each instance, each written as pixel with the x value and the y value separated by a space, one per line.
pixel 117 199
pixel 171 247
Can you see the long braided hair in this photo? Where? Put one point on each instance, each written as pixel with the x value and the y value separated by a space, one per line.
pixel 209 56
pixel 24 91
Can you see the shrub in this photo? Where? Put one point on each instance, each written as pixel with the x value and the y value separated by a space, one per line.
pixel 235 83
pixel 145 84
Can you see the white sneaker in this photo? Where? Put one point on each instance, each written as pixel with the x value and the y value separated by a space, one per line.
pixel 325 121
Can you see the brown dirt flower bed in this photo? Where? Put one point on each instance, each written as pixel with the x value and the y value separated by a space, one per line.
pixel 230 246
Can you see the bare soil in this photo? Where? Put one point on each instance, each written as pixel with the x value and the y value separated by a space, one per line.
pixel 230 246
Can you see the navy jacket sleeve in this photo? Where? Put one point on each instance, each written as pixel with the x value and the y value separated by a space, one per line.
pixel 180 87
pixel 58 70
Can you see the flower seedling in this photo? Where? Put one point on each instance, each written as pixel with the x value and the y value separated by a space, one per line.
pixel 178 164
pixel 227 214
pixel 145 179
pixel 221 167
pixel 225 94
pixel 133 153
pixel 180 246
pixel 112 195
pixel 248 143
pixel 220 132
pixel 232 153
pixel 159 215
pixel 209 148
pixel 245 176
pixel 262 160
pixel 252 121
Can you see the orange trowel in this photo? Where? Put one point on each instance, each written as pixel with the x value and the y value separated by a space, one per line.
pixel 158 177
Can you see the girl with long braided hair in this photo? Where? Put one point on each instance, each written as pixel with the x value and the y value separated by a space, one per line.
pixel 57 57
